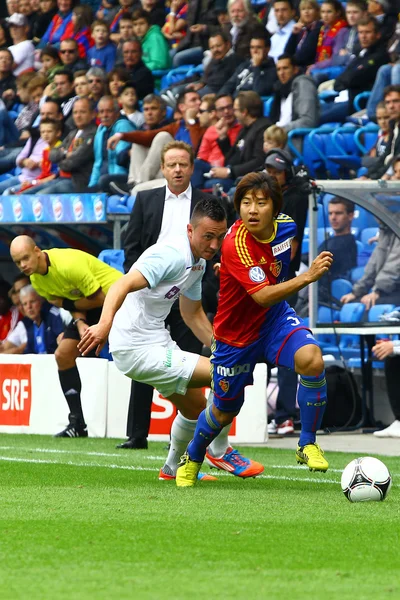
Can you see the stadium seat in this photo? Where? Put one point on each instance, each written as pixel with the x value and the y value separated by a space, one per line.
pixel 348 155
pixel 349 344
pixel 321 141
pixel 360 101
pixel 363 218
pixel 306 155
pixel 373 316
pixel 117 205
pixel 340 287
pixel 365 137
pixel 356 273
pixel 367 234
pixel 267 105
pixel 175 75
pixel 113 258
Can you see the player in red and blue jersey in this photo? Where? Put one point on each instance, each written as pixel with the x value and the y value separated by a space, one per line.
pixel 254 323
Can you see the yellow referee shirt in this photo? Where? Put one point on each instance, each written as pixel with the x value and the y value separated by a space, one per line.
pixel 73 274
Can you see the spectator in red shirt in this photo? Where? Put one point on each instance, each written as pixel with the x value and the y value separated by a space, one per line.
pixel 9 314
pixel 210 154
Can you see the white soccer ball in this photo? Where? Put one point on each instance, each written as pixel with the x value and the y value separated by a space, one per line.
pixel 366 478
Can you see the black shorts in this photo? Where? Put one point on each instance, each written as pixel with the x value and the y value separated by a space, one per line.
pixel 92 318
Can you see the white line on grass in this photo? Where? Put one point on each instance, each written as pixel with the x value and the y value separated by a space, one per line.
pixel 55 451
pixel 138 468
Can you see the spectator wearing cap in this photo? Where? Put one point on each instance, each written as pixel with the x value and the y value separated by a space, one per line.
pixel 23 50
pixel 258 73
pixel 58 25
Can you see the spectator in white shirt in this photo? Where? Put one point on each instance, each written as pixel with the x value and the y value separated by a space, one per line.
pixel 284 14
pixel 23 50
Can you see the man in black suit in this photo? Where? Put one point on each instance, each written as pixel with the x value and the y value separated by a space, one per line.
pixel 156 215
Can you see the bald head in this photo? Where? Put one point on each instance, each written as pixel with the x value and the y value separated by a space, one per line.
pixel 25 254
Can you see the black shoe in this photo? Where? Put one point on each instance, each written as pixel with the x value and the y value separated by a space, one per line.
pixel 72 431
pixel 122 189
pixel 134 444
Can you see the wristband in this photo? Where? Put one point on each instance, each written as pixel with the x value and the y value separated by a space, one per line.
pixel 172 14
pixel 79 319
pixel 68 304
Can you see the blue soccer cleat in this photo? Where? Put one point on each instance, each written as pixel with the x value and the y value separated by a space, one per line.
pixel 236 464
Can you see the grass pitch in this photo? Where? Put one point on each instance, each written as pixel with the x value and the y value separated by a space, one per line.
pixel 82 520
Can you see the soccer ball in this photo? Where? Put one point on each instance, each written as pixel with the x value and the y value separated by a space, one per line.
pixel 366 478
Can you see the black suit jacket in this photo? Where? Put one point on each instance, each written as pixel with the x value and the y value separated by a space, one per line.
pixel 143 230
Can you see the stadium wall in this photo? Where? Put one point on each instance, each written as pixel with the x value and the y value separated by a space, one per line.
pixel 31 400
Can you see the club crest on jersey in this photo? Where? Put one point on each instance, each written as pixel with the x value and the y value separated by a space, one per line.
pixel 256 274
pixel 224 385
pixel 276 268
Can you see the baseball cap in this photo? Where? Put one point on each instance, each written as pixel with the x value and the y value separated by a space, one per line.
pixel 277 161
pixel 17 20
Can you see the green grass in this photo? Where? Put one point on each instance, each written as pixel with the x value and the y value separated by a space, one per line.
pixel 81 520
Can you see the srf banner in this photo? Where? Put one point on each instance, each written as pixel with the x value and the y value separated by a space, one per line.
pixel 15 394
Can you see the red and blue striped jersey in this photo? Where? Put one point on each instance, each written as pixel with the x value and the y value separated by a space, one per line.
pixel 247 265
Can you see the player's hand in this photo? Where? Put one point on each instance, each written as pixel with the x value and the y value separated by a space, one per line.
pixel 320 266
pixel 113 141
pixel 198 28
pixel 347 298
pixel 93 337
pixel 382 349
pixel 56 301
pixel 370 300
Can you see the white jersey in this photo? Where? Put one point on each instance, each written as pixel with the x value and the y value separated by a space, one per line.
pixel 171 270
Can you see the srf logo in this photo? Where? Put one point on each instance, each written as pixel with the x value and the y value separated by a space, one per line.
pixel 15 394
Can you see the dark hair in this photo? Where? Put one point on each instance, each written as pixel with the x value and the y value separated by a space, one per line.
pixel 253 182
pixel 141 14
pixel 91 103
pixel 177 145
pixel 290 57
pixel 56 124
pixel 53 101
pixel 50 51
pixel 367 20
pixel 220 33
pixel 208 207
pixel 10 54
pixel 129 85
pixel 67 73
pixel 181 97
pixel 361 4
pixel 290 2
pixel 337 6
pixel 265 37
pixel 19 277
pixel 121 72
pixel 80 73
pixel 348 204
pixel 389 89
pixel 219 96
pixel 251 101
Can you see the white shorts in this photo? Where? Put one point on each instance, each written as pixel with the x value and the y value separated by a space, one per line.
pixel 167 368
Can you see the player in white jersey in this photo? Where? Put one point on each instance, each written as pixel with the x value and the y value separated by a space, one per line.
pixel 133 316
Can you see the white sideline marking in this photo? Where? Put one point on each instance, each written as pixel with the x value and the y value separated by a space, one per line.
pixel 54 451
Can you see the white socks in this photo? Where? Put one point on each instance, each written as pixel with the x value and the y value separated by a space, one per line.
pixel 182 432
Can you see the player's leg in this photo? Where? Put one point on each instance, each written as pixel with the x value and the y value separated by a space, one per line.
pixel 312 399
pixel 289 343
pixel 66 355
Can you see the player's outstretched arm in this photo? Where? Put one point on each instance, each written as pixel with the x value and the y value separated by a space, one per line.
pixel 96 336
pixel 272 294
pixel 196 319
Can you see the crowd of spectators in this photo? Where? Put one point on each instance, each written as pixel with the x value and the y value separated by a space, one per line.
pixel 83 107
pixel 108 57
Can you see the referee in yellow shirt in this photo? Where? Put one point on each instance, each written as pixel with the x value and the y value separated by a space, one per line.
pixel 77 282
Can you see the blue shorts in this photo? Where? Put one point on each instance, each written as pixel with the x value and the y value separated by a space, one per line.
pixel 232 367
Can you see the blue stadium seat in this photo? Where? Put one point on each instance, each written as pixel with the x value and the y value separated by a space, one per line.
pixel 340 287
pixel 365 137
pixel 267 105
pixel 348 155
pixel 117 205
pixel 356 273
pixel 349 344
pixel 367 234
pixel 113 258
pixel 360 101
pixel 175 75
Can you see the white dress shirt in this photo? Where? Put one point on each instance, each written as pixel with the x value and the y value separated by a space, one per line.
pixel 176 214
pixel 280 39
